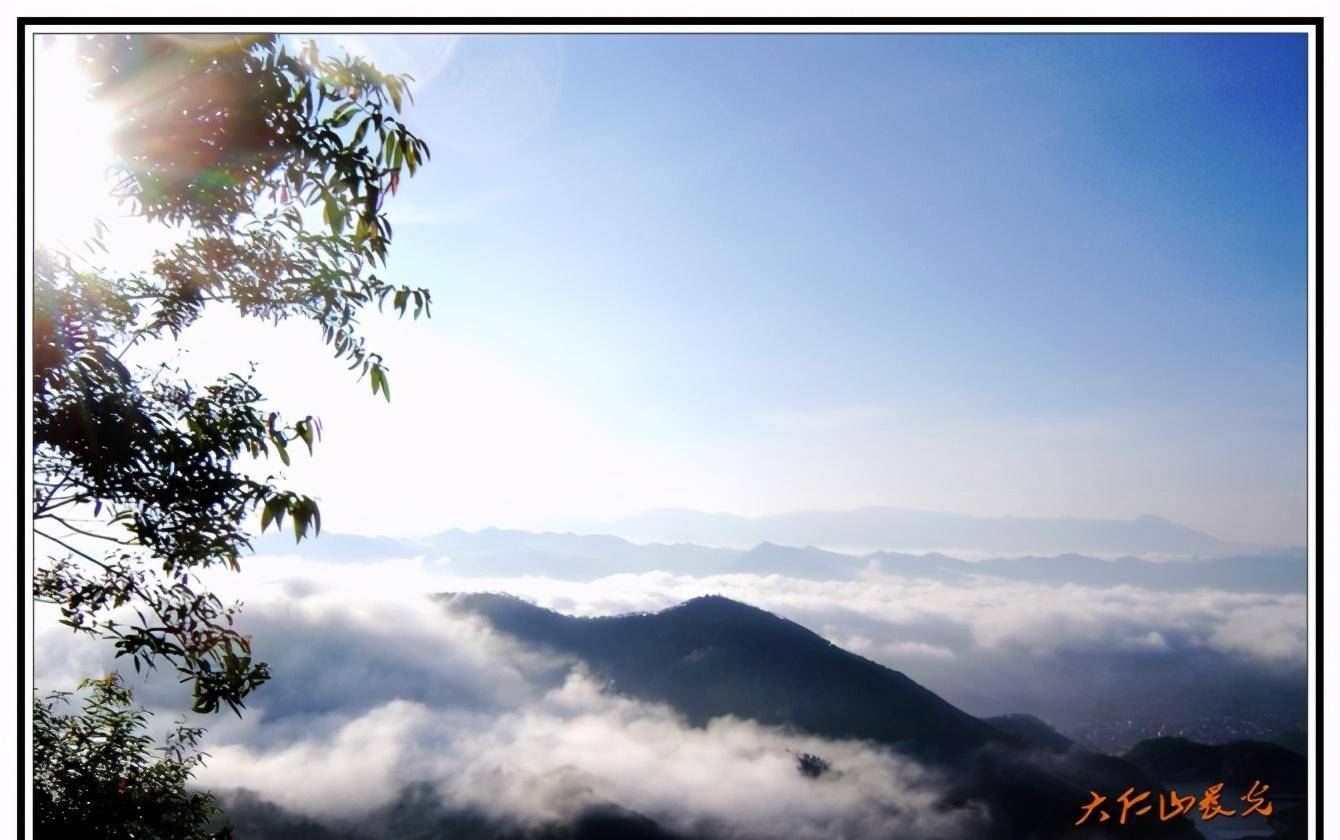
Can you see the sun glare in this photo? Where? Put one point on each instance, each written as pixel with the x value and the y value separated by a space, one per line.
pixel 71 149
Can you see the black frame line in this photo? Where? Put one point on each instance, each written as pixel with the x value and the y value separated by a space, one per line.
pixel 608 26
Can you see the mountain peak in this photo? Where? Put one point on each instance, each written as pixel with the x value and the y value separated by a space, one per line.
pixel 711 600
pixel 712 656
pixel 719 606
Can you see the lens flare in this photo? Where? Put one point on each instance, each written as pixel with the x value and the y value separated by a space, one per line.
pixel 71 151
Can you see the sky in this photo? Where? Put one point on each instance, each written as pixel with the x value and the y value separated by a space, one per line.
pixel 995 275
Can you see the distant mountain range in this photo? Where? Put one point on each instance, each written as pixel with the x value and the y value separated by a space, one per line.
pixel 500 553
pixel 901 529
pixel 711 657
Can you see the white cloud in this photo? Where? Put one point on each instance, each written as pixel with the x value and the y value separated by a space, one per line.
pixel 577 746
pixel 378 688
pixel 882 612
pixel 1271 632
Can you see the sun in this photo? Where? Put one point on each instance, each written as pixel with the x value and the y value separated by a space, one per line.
pixel 71 148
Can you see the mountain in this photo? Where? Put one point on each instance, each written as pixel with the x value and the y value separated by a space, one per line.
pixel 808 563
pixel 1284 570
pixel 886 528
pixel 1032 731
pixel 712 656
pixel 418 814
pixel 494 552
pixel 1237 763
pixel 1190 767
pixel 1065 757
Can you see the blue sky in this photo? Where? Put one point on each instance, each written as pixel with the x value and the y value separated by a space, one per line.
pixel 938 235
pixel 989 221
pixel 1031 275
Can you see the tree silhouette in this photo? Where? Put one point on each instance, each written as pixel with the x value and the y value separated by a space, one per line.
pixel 274 167
pixel 812 765
pixel 96 773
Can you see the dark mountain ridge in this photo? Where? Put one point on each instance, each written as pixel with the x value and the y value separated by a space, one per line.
pixel 712 656
pixel 1175 760
pixel 1188 766
pixel 418 814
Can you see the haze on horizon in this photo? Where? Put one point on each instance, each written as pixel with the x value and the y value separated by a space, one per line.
pixel 997 275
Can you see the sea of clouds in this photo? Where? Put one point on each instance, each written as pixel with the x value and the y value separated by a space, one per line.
pixel 378 688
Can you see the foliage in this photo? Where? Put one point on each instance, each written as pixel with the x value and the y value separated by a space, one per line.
pixel 96 773
pixel 272 169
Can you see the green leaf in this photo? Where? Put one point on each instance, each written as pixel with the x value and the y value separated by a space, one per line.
pixel 343 115
pixel 334 215
pixel 361 131
pixel 273 512
pixel 299 514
